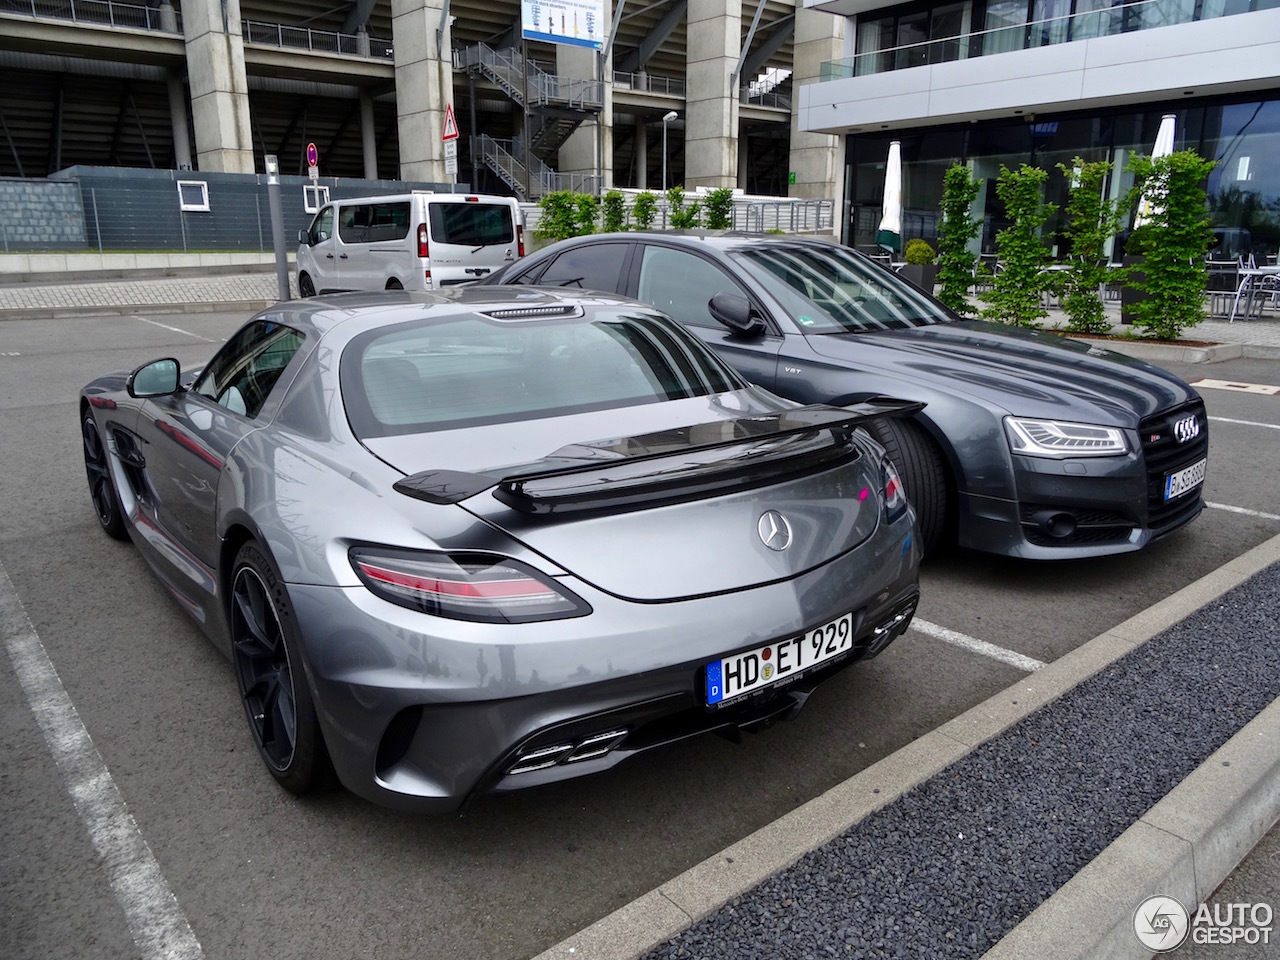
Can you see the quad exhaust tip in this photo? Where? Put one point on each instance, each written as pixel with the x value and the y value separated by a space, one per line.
pixel 541 758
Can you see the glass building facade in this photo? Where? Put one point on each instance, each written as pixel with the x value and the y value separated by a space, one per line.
pixel 1241 134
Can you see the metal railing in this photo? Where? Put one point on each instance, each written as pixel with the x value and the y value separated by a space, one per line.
pixel 648 83
pixel 506 158
pixel 507 69
pixel 315 41
pixel 768 98
pixel 97 12
pixel 758 214
pixel 1083 25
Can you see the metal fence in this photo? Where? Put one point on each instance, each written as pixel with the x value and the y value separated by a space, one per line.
pixel 315 41
pixel 101 12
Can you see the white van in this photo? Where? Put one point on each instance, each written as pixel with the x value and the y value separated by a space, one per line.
pixel 411 241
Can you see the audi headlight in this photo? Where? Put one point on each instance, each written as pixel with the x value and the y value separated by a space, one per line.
pixel 1053 438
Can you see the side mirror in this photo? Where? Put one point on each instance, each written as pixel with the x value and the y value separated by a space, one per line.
pixel 304 237
pixel 159 378
pixel 735 313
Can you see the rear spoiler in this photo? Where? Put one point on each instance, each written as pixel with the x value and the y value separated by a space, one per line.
pixel 513 483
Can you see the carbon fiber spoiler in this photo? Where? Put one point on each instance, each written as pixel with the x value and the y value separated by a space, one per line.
pixel 515 482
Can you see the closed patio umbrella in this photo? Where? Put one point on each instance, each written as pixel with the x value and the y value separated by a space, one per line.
pixel 889 233
pixel 1148 206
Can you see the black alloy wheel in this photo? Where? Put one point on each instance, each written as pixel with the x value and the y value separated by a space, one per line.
pixel 106 504
pixel 305 287
pixel 269 672
pixel 923 471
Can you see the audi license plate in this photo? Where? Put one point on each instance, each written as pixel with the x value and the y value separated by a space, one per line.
pixel 743 673
pixel 1182 481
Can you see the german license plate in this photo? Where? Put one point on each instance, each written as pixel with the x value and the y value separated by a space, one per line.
pixel 1181 481
pixel 775 662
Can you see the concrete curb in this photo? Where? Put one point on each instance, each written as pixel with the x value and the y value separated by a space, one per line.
pixel 1170 352
pixel 661 914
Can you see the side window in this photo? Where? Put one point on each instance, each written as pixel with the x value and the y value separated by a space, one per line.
pixel 389 221
pixel 322 226
pixel 680 284
pixel 353 223
pixel 241 375
pixel 594 267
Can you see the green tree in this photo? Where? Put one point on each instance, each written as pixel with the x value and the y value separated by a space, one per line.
pixel 956 229
pixel 1015 296
pixel 645 209
pixel 682 217
pixel 588 208
pixel 559 219
pixel 720 209
pixel 1173 243
pixel 615 211
pixel 1091 220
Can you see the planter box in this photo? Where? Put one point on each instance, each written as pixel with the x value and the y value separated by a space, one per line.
pixel 920 275
pixel 1129 294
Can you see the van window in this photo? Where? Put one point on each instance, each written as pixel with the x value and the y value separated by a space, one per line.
pixel 371 222
pixel 471 224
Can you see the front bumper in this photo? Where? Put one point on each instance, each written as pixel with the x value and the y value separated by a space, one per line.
pixel 1091 507
pixel 427 721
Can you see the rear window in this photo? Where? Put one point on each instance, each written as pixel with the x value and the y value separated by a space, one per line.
pixel 444 375
pixel 471 224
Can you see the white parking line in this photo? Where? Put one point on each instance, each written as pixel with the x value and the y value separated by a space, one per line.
pixel 974 645
pixel 1260 388
pixel 165 326
pixel 1247 513
pixel 1247 423
pixel 157 923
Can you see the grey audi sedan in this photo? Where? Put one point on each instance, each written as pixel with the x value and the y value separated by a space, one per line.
pixel 1028 444
pixel 462 543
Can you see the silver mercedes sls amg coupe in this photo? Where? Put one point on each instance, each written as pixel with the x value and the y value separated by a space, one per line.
pixel 462 543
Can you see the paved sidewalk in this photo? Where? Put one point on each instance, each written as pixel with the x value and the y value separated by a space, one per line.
pixel 254 290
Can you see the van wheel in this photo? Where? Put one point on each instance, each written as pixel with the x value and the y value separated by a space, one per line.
pixel 305 287
pixel 394 284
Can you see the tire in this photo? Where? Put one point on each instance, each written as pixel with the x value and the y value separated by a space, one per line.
pixel 271 678
pixel 924 475
pixel 102 489
pixel 305 287
pixel 394 284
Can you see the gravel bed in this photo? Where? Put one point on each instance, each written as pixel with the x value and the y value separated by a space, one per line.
pixel 956 863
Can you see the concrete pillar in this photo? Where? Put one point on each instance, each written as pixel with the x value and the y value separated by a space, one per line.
pixel 642 153
pixel 578 154
pixel 424 87
pixel 219 91
pixel 178 121
pixel 817 159
pixel 369 136
pixel 711 103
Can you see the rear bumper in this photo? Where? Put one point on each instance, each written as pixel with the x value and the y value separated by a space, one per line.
pixel 428 721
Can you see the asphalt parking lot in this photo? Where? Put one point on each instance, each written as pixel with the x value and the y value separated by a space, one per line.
pixel 255 873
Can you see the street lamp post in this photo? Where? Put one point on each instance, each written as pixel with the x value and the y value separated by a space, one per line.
pixel 666 120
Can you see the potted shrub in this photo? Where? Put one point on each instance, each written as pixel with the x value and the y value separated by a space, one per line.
pixel 920 269
pixel 1092 219
pixel 1015 295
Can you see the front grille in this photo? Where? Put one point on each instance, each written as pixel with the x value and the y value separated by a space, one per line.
pixel 1163 454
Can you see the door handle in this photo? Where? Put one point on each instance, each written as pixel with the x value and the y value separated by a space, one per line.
pixel 329 256
pixel 342 256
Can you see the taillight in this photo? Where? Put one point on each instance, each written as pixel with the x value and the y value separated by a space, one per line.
pixel 519 240
pixel 895 497
pixel 422 240
pixel 464 586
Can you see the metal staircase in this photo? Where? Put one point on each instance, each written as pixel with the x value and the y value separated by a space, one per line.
pixel 556 106
pixel 506 159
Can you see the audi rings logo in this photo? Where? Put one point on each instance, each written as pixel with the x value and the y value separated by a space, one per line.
pixel 1188 428
pixel 1161 923
pixel 774 530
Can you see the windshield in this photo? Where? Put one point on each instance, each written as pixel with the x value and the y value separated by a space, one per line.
pixel 467 371
pixel 826 289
